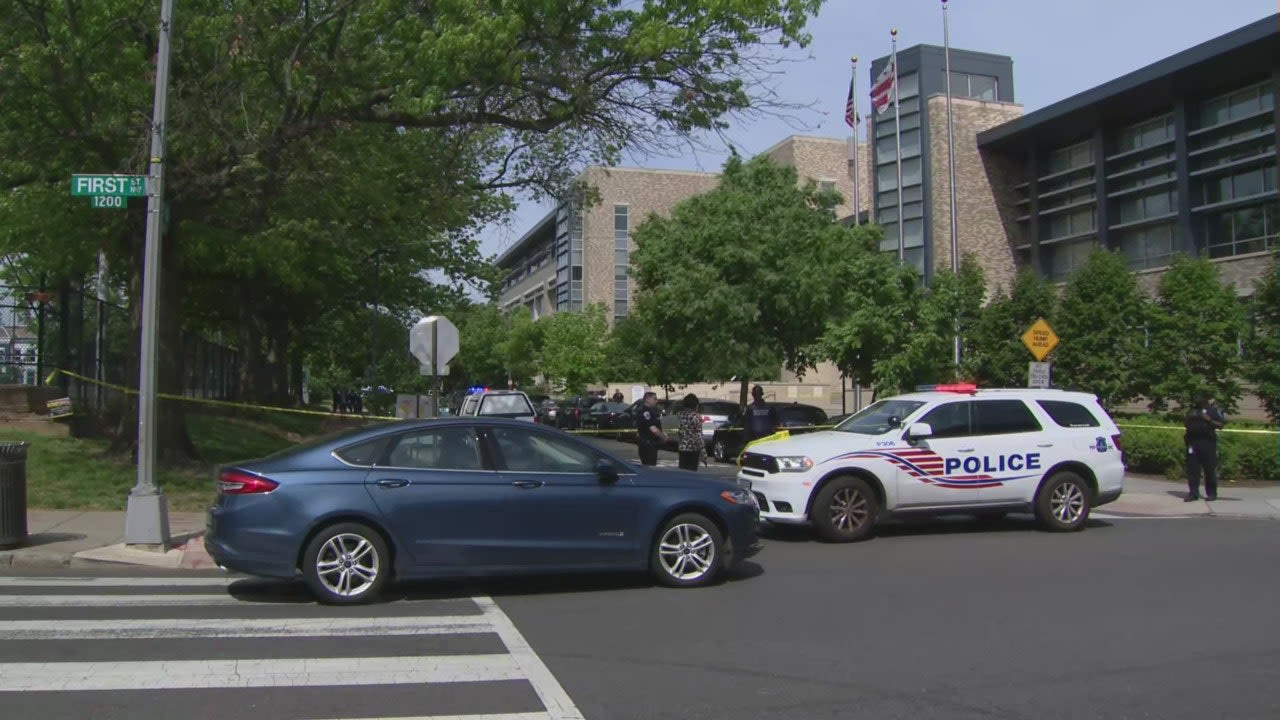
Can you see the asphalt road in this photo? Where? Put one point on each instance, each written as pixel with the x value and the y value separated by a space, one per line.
pixel 1132 618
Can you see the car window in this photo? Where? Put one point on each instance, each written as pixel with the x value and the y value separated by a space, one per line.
pixel 1069 414
pixel 1001 417
pixel 532 451
pixel 874 419
pixel 505 405
pixel 449 448
pixel 365 454
pixel 802 415
pixel 949 420
pixel 719 408
pixel 469 405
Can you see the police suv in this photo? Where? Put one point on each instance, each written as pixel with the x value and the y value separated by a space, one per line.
pixel 944 449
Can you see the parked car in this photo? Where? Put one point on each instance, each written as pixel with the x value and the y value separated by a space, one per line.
pixel 715 413
pixel 608 419
pixel 573 411
pixel 511 404
pixel 469 496
pixel 727 442
pixel 548 412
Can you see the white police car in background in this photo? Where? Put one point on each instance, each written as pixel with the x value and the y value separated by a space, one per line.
pixel 946 449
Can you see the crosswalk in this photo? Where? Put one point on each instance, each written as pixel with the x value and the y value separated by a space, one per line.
pixel 220 647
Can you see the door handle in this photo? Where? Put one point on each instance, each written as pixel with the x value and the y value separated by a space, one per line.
pixel 965 450
pixel 528 484
pixel 1044 445
pixel 392 483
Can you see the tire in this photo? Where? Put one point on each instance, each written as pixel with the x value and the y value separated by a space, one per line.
pixel 687 552
pixel 333 557
pixel 845 510
pixel 1064 502
pixel 717 450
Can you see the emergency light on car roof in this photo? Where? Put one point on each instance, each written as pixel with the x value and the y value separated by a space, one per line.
pixel 477 389
pixel 950 387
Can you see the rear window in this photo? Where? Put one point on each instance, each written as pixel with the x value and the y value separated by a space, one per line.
pixel 805 415
pixel 365 454
pixel 720 408
pixel 1002 417
pixel 1069 414
pixel 505 405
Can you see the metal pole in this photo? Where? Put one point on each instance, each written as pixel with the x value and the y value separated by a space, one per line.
pixel 100 371
pixel 897 140
pixel 857 202
pixel 951 170
pixel 435 370
pixel 146 519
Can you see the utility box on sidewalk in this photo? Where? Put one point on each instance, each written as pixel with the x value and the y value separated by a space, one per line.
pixel 13 494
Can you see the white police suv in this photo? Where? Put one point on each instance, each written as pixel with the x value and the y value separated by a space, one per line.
pixel 945 449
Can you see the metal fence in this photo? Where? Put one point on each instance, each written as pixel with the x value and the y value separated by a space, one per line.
pixel 67 329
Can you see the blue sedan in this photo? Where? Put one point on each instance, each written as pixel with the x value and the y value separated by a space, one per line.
pixel 468 497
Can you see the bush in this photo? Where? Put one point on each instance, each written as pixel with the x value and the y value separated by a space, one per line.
pixel 1162 452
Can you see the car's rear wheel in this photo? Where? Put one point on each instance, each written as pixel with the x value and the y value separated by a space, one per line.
pixel 845 510
pixel 687 552
pixel 717 450
pixel 1064 502
pixel 346 564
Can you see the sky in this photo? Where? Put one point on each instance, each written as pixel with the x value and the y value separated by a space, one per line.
pixel 1058 49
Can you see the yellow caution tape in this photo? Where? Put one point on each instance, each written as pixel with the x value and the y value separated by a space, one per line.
pixel 1247 431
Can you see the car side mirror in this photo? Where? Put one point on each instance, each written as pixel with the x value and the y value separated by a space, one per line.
pixel 606 472
pixel 919 431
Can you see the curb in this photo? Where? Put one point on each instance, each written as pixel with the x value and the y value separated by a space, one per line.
pixel 188 554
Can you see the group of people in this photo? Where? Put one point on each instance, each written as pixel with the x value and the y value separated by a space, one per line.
pixel 760 420
pixel 348 401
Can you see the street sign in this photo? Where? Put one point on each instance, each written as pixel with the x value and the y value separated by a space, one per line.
pixel 434 342
pixel 1038 375
pixel 108 201
pixel 111 185
pixel 1040 339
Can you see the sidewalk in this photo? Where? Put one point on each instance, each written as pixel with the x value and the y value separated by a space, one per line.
pixel 72 538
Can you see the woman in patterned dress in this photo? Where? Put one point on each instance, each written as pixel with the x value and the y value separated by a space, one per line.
pixel 691 445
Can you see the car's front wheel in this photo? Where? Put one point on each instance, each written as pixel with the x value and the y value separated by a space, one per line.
pixel 346 564
pixel 717 450
pixel 845 510
pixel 687 552
pixel 1064 502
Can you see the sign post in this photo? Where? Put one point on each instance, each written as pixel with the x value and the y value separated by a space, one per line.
pixel 108 191
pixel 1040 339
pixel 434 342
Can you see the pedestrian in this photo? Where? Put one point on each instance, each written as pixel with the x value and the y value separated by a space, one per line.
pixel 760 419
pixel 337 400
pixel 1201 438
pixel 692 447
pixel 649 435
pixel 617 396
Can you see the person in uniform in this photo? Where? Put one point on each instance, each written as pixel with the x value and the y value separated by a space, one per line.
pixel 1201 438
pixel 760 420
pixel 649 435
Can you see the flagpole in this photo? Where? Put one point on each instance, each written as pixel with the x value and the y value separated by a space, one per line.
pixel 857 205
pixel 897 139
pixel 951 167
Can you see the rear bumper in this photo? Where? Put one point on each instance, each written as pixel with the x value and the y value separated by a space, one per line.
pixel 1107 496
pixel 251 550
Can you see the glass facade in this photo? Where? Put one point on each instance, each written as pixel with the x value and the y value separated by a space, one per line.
pixel 621 260
pixel 568 258
pixel 976 87
pixel 912 174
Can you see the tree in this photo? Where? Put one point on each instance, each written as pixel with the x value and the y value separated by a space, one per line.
pixel 573 348
pixel 759 261
pixel 1102 323
pixel 1262 349
pixel 1196 328
pixel 495 347
pixel 640 349
pixel 999 358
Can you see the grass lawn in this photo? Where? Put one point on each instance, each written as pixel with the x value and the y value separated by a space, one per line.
pixel 66 473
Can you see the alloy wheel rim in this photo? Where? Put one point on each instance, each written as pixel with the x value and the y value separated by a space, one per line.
pixel 849 510
pixel 348 565
pixel 1067 503
pixel 687 552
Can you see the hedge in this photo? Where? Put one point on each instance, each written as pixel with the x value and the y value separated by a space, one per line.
pixel 1241 456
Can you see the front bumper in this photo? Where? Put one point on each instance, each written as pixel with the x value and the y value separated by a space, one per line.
pixel 783 497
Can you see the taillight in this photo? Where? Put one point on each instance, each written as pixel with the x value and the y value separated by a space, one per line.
pixel 1115 440
pixel 234 482
pixel 706 418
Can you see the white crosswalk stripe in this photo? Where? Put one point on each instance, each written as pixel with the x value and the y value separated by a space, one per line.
pixel 212 646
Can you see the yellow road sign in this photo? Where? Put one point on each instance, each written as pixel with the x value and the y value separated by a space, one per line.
pixel 1040 339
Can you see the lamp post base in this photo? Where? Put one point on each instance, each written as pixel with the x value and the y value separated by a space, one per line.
pixel 146 520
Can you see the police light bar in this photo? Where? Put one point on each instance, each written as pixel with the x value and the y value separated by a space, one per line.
pixel 477 389
pixel 949 387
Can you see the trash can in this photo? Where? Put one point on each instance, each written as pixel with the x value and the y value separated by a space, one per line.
pixel 13 494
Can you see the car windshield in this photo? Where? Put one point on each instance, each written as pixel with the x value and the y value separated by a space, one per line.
pixel 875 418
pixel 801 415
pixel 505 405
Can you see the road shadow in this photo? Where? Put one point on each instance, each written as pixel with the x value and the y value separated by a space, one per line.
pixel 923 526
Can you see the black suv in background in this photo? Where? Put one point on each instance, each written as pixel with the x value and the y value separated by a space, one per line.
pixel 727 442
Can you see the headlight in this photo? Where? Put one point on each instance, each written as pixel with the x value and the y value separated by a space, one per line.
pixel 795 463
pixel 744 483
pixel 739 497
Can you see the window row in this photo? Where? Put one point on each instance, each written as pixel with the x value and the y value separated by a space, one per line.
pixel 1068 224
pixel 1148 247
pixel 1237 186
pixel 1237 104
pixel 887 175
pixel 977 87
pixel 1145 134
pixel 1243 230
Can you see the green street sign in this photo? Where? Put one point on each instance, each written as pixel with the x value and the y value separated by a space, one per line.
pixel 108 201
pixel 116 185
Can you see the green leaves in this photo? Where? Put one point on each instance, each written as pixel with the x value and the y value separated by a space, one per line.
pixel 1262 346
pixel 998 357
pixel 573 348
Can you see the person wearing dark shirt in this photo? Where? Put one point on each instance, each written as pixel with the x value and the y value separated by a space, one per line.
pixel 649 435
pixel 617 396
pixel 760 419
pixel 1202 423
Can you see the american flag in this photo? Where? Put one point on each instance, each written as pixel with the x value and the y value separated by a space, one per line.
pixel 850 105
pixel 886 88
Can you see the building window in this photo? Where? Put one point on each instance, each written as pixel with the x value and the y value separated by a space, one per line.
pixel 1243 230
pixel 1145 134
pixel 1065 199
pixel 1062 259
pixel 1146 248
pixel 908 86
pixel 1068 224
pixel 1239 186
pixel 977 87
pixel 621 259
pixel 1237 104
pixel 1071 157
pixel 1142 207
pixel 827 185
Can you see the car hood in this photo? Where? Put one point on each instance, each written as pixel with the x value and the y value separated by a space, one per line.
pixel 661 477
pixel 819 445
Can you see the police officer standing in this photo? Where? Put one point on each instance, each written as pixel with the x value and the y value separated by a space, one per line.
pixel 761 420
pixel 1201 437
pixel 649 433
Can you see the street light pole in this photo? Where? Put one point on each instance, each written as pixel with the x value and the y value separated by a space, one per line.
pixel 146 520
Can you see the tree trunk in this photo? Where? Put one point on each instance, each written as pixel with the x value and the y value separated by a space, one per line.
pixel 255 378
pixel 296 375
pixel 742 393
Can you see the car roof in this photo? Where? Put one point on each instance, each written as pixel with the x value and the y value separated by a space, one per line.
pixel 1025 393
